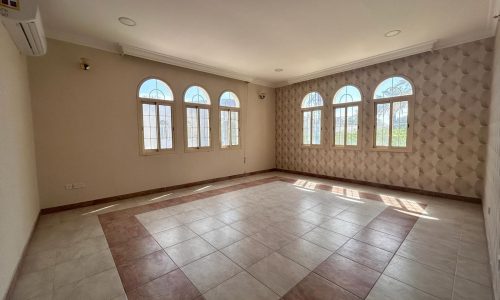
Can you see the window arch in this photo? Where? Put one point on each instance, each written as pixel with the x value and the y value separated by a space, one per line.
pixel 156 99
pixel 395 86
pixel 311 107
pixel 393 101
pixel 229 119
pixel 196 94
pixel 347 115
pixel 197 108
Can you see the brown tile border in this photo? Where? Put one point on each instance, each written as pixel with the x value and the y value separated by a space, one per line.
pixel 125 233
pixel 54 209
pixel 387 186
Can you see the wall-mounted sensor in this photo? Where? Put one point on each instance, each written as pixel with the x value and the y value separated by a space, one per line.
pixel 262 95
pixel 84 64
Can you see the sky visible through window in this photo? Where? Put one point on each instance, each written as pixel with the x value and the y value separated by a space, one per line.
pixel 155 89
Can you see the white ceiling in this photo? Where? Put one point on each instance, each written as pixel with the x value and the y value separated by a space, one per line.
pixel 251 38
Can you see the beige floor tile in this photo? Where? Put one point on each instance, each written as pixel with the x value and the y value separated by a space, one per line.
pixel 154 215
pixel 246 252
pixel 105 285
pixel 191 216
pixel 474 271
pixel 210 271
pixel 205 225
pixel 38 261
pixel 189 251
pixel 241 286
pixel 74 270
pixel 422 277
pixel 474 251
pixel 325 238
pixel 428 255
pixel 231 216
pixel 305 253
pixel 329 210
pixel 223 237
pixel 273 238
pixel 173 236
pixel 279 273
pixel 313 218
pixel 342 227
pixel 80 249
pixel 162 224
pixel 249 226
pixel 295 227
pixel 388 288
pixel 36 284
pixel 355 218
pixel 467 290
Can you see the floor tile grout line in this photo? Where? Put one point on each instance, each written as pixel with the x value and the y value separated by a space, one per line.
pixel 217 250
pixel 382 273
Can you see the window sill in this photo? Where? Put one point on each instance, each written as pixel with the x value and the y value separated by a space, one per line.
pixel 159 152
pixel 353 148
pixel 201 149
pixel 397 150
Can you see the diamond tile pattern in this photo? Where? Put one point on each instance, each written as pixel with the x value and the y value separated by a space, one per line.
pixel 452 95
pixel 177 249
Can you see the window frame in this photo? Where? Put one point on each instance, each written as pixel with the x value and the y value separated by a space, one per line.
pixel 359 104
pixel 140 120
pixel 391 100
pixel 230 109
pixel 311 109
pixel 198 106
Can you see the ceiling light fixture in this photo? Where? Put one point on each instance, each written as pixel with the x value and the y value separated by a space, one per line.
pixel 392 33
pixel 126 21
pixel 278 70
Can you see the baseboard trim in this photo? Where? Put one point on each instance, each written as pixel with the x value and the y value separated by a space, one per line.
pixel 17 272
pixel 387 186
pixel 54 209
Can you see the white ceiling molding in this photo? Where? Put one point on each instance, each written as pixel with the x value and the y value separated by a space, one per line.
pixel 83 41
pixel 179 62
pixel 415 49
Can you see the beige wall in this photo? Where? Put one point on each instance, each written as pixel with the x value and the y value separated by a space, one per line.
pixel 452 95
pixel 18 186
pixel 491 202
pixel 86 126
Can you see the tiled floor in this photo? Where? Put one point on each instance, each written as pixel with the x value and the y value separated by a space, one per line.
pixel 262 237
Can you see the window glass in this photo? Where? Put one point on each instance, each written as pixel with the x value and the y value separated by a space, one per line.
pixel 393 87
pixel 155 89
pixel 197 95
pixel 347 94
pixel 313 99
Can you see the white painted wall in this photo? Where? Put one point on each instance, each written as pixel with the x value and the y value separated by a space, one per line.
pixel 19 204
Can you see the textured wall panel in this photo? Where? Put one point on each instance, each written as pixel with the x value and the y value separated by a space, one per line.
pixel 452 96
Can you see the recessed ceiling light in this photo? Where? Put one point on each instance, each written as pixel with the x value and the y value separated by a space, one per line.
pixel 392 33
pixel 278 70
pixel 126 21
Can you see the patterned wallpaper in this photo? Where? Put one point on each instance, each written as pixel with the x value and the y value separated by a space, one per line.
pixel 452 96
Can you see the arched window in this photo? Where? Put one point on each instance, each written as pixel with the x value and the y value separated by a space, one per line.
pixel 156 99
pixel 347 112
pixel 197 103
pixel 312 104
pixel 392 100
pixel 229 119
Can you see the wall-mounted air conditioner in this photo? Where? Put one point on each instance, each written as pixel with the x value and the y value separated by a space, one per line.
pixel 23 22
